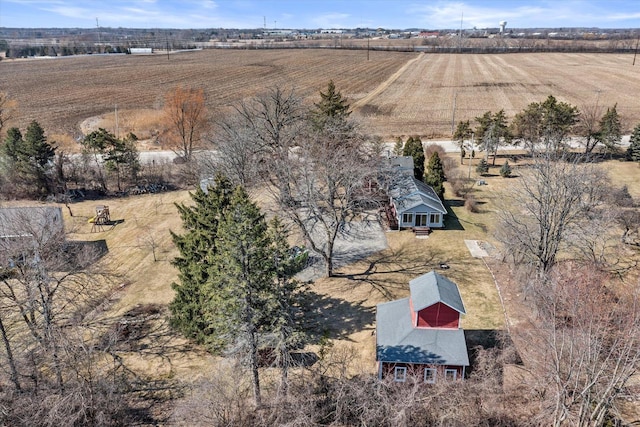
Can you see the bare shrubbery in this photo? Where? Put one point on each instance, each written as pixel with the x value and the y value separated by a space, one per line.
pixel 470 203
pixel 330 393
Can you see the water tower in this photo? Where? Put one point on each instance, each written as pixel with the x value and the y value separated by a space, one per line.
pixel 502 25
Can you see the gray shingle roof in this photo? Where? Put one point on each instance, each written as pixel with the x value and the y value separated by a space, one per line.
pixel 398 341
pixel 408 192
pixel 431 288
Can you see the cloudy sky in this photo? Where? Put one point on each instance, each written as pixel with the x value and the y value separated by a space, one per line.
pixel 399 14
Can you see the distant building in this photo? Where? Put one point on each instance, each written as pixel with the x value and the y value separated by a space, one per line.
pixel 141 50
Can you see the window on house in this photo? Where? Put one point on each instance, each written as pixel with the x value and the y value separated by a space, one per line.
pixel 407 218
pixel 421 220
pixel 434 218
pixel 450 374
pixel 400 374
pixel 429 375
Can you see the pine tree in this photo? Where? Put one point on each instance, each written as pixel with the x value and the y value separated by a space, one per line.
pixel 36 148
pixel 332 105
pixel 483 167
pixel 12 144
pixel 29 159
pixel 413 147
pixel 633 152
pixel 434 175
pixel 242 282
pixel 197 247
pixel 287 299
pixel 397 148
pixel 462 133
pixel 505 170
pixel 610 133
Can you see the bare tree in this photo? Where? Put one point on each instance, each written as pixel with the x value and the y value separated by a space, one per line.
pixel 58 361
pixel 236 152
pixel 588 125
pixel 186 115
pixel 315 173
pixel 551 200
pixel 582 346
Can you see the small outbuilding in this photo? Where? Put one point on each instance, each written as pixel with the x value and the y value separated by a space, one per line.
pixel 420 336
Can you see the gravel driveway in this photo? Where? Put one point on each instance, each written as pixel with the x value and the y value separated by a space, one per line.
pixel 359 240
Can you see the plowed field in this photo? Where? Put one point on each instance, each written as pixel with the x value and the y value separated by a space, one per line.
pixel 395 95
pixel 421 100
pixel 62 92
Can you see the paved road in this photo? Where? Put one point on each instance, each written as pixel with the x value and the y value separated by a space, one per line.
pixel 449 146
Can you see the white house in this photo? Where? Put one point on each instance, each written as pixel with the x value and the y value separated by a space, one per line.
pixel 413 204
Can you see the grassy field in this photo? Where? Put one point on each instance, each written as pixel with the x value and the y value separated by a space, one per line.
pixel 396 93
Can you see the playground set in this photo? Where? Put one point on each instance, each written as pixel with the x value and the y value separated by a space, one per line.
pixel 101 219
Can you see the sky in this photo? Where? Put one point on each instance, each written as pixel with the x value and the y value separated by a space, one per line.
pixel 312 14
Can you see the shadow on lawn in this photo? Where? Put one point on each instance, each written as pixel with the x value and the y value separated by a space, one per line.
pixel 382 272
pixel 327 316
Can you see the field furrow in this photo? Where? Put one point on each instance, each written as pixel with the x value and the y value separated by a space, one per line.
pixel 393 93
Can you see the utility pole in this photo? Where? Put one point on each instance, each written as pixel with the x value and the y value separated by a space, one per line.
pixel 470 153
pixel 368 38
pixel 167 47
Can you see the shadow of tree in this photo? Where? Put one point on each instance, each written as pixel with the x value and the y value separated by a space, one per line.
pixel 478 339
pixel 408 354
pixel 326 316
pixel 381 272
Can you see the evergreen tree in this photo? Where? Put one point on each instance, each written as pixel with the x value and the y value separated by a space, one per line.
pixel 633 152
pixel 242 282
pixel 287 299
pixel 332 105
pixel 434 175
pixel 29 160
pixel 197 247
pixel 413 147
pixel 398 147
pixel 36 148
pixel 12 145
pixel 610 133
pixel 483 167
pixel 505 170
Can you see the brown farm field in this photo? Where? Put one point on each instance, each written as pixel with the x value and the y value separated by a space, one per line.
pixel 394 93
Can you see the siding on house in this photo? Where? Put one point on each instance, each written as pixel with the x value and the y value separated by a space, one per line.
pixel 438 316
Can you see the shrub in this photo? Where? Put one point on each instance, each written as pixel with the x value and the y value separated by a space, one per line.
pixel 470 203
pixel 505 170
pixel 483 167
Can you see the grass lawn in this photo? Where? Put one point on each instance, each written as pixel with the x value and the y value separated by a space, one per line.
pixel 344 305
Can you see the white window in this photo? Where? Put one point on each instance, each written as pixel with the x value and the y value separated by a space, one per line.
pixel 429 375
pixel 450 374
pixel 421 220
pixel 407 218
pixel 434 218
pixel 400 374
